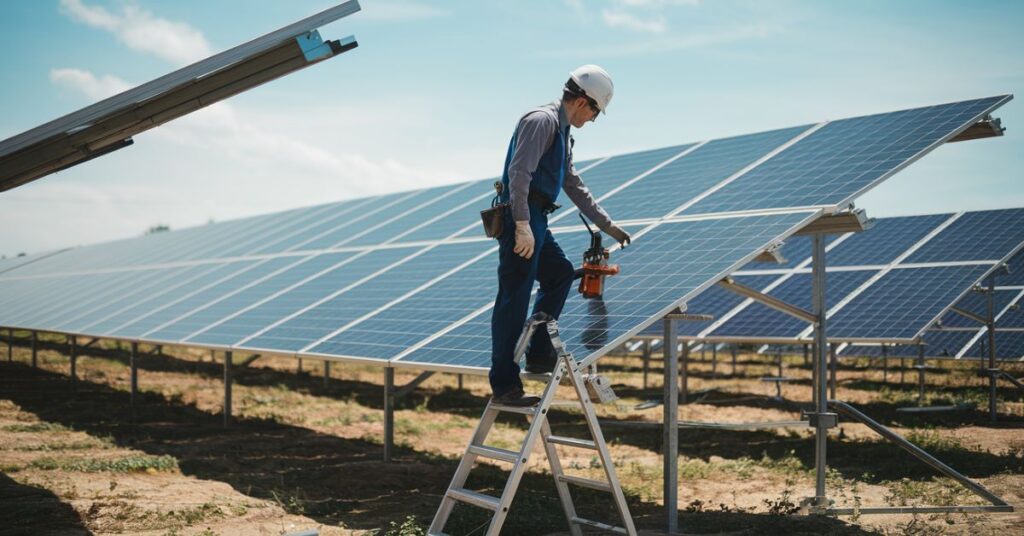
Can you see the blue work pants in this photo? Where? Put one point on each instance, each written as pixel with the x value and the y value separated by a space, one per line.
pixel 549 267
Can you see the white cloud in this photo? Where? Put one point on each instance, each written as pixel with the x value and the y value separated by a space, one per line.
pixel 392 11
pixel 140 30
pixel 92 86
pixel 621 19
pixel 673 42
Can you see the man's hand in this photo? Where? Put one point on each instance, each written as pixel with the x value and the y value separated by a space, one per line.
pixel 524 240
pixel 616 232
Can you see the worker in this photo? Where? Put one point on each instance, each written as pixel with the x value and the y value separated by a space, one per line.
pixel 537 166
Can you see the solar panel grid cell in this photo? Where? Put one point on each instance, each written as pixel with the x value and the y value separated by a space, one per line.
pixel 201 293
pixel 322 319
pixel 715 301
pixel 843 158
pixel 760 320
pixel 99 322
pixel 903 302
pixel 669 187
pixel 275 309
pixel 886 240
pixel 982 235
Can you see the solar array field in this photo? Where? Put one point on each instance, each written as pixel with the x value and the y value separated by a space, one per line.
pixel 407 279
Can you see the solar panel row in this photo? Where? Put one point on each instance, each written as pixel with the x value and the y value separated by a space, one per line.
pixel 887 283
pixel 404 277
pixel 958 337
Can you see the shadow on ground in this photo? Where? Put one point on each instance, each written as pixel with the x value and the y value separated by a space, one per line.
pixel 31 510
pixel 331 479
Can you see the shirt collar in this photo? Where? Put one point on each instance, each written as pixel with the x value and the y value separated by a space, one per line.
pixel 563 119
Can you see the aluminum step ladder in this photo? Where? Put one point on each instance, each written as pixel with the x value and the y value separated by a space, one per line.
pixel 566 369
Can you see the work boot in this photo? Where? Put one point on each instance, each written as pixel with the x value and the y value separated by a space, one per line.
pixel 540 366
pixel 517 398
pixel 541 362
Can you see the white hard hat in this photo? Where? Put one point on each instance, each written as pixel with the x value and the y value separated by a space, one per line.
pixel 594 82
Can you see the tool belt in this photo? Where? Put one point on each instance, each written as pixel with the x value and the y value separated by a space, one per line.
pixel 494 218
pixel 543 202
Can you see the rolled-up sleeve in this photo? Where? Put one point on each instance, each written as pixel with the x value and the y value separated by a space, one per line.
pixel 534 135
pixel 583 199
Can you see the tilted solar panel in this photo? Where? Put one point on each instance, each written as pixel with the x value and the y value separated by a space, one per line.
pixel 280 282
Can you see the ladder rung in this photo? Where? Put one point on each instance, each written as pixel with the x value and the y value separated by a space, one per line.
pixel 572 442
pixel 474 498
pixel 586 482
pixel 495 453
pixel 598 525
pixel 528 410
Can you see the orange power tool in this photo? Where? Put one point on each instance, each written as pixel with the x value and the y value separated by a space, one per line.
pixel 595 266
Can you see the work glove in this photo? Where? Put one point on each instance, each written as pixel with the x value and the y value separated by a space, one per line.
pixel 524 240
pixel 616 232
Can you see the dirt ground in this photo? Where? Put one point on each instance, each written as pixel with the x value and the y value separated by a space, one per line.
pixel 306 454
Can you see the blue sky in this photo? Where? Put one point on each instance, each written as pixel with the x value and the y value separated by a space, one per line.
pixel 433 91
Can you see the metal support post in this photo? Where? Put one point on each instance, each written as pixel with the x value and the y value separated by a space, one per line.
pixel 671 427
pixel 389 412
pixel 73 355
pixel 903 367
pixel 885 364
pixel 460 382
pixel 820 386
pixel 647 360
pixel 134 380
pixel 35 349
pixel 734 359
pixel 833 364
pixel 10 345
pixel 684 374
pixel 991 332
pixel 227 389
pixel 807 358
pixel 327 372
pixel 714 360
pixel 300 366
pixel 920 375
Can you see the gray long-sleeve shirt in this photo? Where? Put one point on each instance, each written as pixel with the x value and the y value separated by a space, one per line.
pixel 536 133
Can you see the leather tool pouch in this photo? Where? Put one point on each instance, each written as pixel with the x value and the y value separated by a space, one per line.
pixel 494 217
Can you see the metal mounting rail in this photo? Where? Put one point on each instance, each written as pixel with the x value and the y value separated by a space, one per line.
pixel 998 504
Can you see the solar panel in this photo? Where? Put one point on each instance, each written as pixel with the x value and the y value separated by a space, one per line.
pixel 149 317
pixel 322 318
pixel 659 193
pixel 715 301
pixel 757 319
pixel 275 282
pixel 110 124
pixel 982 235
pixel 1016 275
pixel 885 241
pixel 274 307
pixel 672 261
pixel 977 303
pixel 903 302
pixel 1009 345
pixel 845 158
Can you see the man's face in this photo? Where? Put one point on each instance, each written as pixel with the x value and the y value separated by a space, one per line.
pixel 581 112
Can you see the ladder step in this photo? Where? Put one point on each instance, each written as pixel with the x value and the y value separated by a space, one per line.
pixel 494 453
pixel 598 525
pixel 528 410
pixel 475 498
pixel 572 442
pixel 586 482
